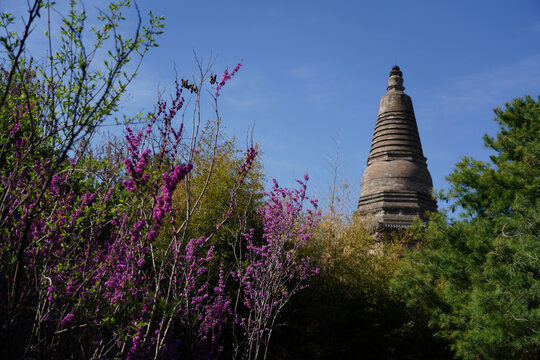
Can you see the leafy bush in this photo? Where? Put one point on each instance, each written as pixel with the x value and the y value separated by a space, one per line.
pixel 348 310
pixel 101 256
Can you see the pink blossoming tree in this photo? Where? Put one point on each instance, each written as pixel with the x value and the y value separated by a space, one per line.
pixel 94 257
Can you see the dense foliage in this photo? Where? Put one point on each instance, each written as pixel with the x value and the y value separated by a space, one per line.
pixel 479 275
pixel 349 310
pixel 120 252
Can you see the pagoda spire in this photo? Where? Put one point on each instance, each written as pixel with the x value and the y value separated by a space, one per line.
pixel 396 185
pixel 395 80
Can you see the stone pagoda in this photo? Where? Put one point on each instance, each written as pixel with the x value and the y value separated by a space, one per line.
pixel 396 185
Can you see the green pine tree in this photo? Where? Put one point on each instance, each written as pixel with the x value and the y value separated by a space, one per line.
pixel 479 275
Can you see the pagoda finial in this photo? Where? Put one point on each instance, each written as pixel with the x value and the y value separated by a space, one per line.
pixel 395 80
pixel 396 71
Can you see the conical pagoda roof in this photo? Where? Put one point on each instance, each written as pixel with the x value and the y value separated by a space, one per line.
pixel 396 133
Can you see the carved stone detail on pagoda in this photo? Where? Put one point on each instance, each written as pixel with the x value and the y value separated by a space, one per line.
pixel 396 186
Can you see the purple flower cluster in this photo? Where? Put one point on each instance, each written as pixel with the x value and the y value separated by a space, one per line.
pixel 226 77
pixel 164 200
pixel 81 253
pixel 67 319
pixel 275 270
pixel 136 161
pixel 249 159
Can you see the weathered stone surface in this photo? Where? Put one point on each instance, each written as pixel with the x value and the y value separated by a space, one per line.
pixel 396 185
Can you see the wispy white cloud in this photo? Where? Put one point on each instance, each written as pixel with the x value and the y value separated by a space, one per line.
pixel 488 88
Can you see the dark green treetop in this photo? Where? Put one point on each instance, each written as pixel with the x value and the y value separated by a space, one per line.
pixel 479 275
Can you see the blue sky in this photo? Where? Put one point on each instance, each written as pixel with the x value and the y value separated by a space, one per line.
pixel 314 71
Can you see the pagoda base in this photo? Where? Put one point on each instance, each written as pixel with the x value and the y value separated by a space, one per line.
pixel 396 209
